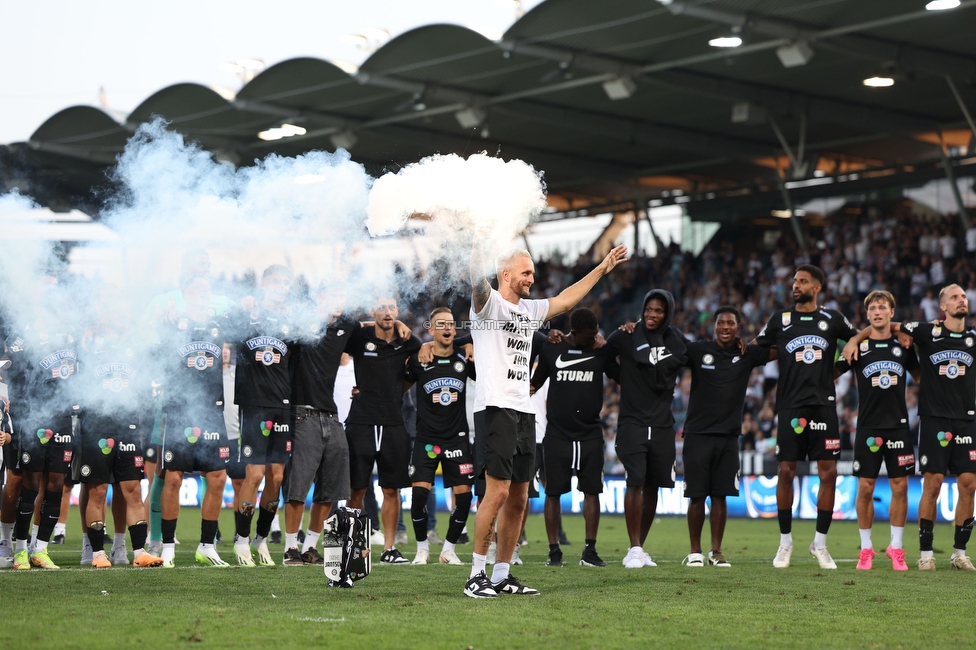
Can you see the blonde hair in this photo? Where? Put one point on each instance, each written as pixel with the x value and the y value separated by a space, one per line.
pixel 942 291
pixel 504 261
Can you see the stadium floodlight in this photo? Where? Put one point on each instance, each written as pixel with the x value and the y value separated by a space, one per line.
pixel 795 54
pixel 344 140
pixel 942 5
pixel 878 82
pixel 726 41
pixel 283 131
pixel 471 117
pixel 619 88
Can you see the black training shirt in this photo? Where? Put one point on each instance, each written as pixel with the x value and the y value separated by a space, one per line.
pixel 380 371
pixel 191 364
pixel 640 403
pixel 881 369
pixel 441 391
pixel 719 380
pixel 947 385
pixel 44 375
pixel 317 358
pixel 264 354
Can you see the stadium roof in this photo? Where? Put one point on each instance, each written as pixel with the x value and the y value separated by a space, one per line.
pixel 620 101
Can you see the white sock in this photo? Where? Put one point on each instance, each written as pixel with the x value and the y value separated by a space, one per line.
pixel 21 545
pixel 311 540
pixel 291 540
pixel 897 535
pixel 118 540
pixel 6 532
pixel 423 546
pixel 477 563
pixel 84 541
pixel 957 552
pixel 40 546
pixel 33 536
pixel 256 542
pixel 786 539
pixel 448 547
pixel 499 572
pixel 242 542
pixel 169 552
pixel 137 552
pixel 275 524
pixel 820 540
pixel 205 547
pixel 865 534
pixel 927 553
pixel 59 529
pixel 34 529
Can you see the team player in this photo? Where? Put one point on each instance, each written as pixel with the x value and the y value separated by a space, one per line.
pixel 43 373
pixel 573 442
pixel 881 370
pixel 320 451
pixel 720 372
pixel 503 322
pixel 650 358
pixel 947 429
pixel 374 429
pixel 805 337
pixel 116 399
pixel 442 434
pixel 194 439
pixel 262 389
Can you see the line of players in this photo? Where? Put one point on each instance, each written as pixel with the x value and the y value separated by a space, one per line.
pixel 290 435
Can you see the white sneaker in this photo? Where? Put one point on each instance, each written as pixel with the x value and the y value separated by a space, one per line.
pixel 377 538
pixel 86 554
pixel 422 557
pixel 450 557
pixel 694 560
pixel 492 550
pixel 120 555
pixel 243 551
pixel 7 555
pixel 207 555
pixel 823 557
pixel 168 554
pixel 264 555
pixel 647 559
pixel 634 558
pixel 782 559
pixel 516 560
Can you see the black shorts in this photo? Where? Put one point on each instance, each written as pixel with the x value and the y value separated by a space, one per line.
pixel 236 468
pixel 711 465
pixel 808 432
pixel 111 455
pixel 387 446
pixel 648 456
pixel 505 439
pixel 265 435
pixel 946 446
pixel 564 458
pixel 320 455
pixel 454 457
pixel 893 446
pixel 195 443
pixel 47 446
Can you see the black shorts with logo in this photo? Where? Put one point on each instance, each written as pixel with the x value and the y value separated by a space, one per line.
pixel 47 446
pixel 564 458
pixel 110 454
pixel 505 441
pixel 195 442
pixel 894 447
pixel 265 435
pixel 808 432
pixel 454 457
pixel 946 446
pixel 711 465
pixel 648 455
pixel 387 446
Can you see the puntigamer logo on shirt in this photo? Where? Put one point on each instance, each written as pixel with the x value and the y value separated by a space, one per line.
pixel 952 363
pixel 200 354
pixel 61 363
pixel 883 373
pixel 808 349
pixel 268 349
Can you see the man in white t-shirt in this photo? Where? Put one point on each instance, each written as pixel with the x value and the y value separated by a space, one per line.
pixel 502 325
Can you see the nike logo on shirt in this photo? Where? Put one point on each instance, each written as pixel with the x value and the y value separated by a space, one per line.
pixel 786 327
pixel 565 364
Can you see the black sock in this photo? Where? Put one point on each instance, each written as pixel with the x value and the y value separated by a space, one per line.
pixel 553 548
pixel 824 517
pixel 785 521
pixel 589 543
pixel 168 529
pixel 96 536
pixel 25 512
pixel 265 517
pixel 462 508
pixel 208 531
pixel 418 513
pixel 243 522
pixel 50 511
pixel 962 535
pixel 138 533
pixel 925 534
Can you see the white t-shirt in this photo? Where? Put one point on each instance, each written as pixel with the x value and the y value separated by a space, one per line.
pixel 502 335
pixel 541 409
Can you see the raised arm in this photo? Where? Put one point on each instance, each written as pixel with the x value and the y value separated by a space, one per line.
pixel 571 295
pixel 480 288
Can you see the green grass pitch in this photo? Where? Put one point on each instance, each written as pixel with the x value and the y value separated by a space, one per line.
pixel 750 605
